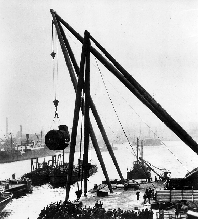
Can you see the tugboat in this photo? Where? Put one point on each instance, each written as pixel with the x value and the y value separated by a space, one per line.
pixel 16 187
pixel 140 170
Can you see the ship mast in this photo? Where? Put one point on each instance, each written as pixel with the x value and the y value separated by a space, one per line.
pixel 137 149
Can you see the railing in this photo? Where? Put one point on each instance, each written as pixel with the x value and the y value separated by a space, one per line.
pixel 170 215
pixel 176 195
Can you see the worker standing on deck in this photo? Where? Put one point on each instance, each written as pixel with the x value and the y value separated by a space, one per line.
pixel 149 195
pixel 161 214
pixel 177 211
pixel 144 197
pixel 138 195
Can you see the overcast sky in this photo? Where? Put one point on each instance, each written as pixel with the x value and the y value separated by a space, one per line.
pixel 155 41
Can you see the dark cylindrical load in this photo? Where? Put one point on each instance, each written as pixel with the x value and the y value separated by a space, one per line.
pixel 58 139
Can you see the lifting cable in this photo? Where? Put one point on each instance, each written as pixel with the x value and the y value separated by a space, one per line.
pixel 150 128
pixel 113 106
pixel 55 69
pixel 111 129
pixel 53 55
pixel 135 113
pixel 128 147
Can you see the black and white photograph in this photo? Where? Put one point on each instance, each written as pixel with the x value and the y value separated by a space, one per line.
pixel 98 109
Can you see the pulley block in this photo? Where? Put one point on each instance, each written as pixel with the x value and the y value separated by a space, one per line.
pixel 53 54
pixel 58 139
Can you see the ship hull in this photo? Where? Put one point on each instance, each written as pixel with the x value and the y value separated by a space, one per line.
pixel 4 200
pixel 7 157
pixel 139 171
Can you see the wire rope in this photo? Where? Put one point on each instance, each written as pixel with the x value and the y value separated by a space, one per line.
pixel 57 69
pixel 149 128
pixel 113 105
pixel 54 54
pixel 134 111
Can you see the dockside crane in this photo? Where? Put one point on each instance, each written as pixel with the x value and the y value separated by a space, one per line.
pixel 83 84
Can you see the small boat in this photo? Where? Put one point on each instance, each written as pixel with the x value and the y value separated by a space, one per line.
pixel 16 187
pixel 5 198
pixel 139 170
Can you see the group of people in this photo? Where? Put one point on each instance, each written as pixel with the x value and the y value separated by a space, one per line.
pixel 61 210
pixel 148 195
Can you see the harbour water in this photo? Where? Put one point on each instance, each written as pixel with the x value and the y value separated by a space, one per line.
pixel 172 155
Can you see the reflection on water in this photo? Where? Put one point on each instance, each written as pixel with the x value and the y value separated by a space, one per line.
pixel 178 159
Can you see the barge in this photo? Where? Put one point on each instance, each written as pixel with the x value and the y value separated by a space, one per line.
pixel 16 187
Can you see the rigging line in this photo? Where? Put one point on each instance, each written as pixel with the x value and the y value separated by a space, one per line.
pixel 130 106
pixel 141 119
pixel 55 63
pixel 54 77
pixel 68 34
pixel 154 166
pixel 149 128
pixel 128 147
pixel 52 44
pixel 145 123
pixel 57 56
pixel 175 157
pixel 72 41
pixel 115 134
pixel 52 50
pixel 153 131
pixel 113 105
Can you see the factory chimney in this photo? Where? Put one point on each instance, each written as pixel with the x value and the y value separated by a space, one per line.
pixel 6 127
pixel 21 131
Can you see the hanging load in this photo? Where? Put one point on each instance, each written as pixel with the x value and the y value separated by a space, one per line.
pixel 58 139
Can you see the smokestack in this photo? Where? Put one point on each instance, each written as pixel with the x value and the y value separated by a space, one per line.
pixel 21 131
pixel 6 127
